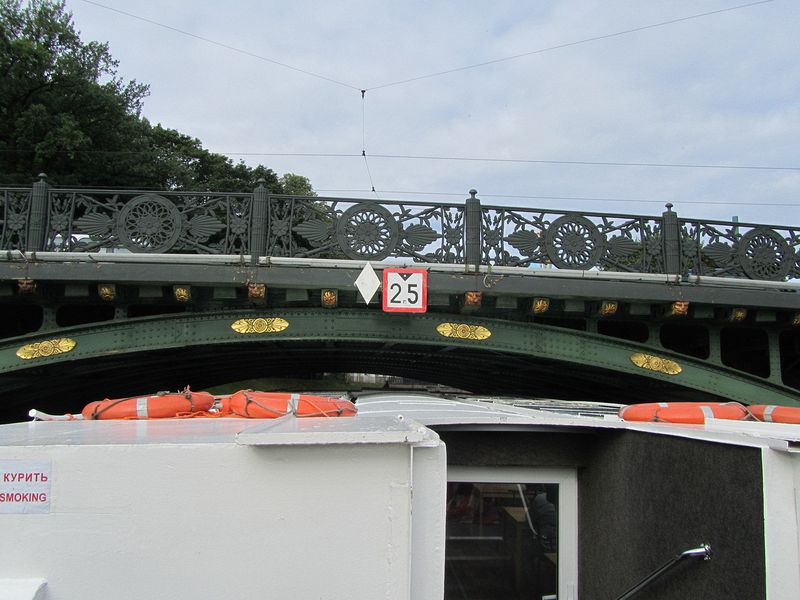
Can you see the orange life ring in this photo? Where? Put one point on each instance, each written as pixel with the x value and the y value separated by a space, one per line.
pixel 162 405
pixel 270 405
pixel 775 414
pixel 683 412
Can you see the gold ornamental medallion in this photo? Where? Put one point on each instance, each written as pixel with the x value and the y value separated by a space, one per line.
pixel 463 331
pixel 46 348
pixel 656 363
pixel 260 325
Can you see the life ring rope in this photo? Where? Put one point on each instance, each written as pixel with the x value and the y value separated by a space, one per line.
pixel 770 413
pixel 244 403
pixel 696 413
pixel 688 413
pixel 292 405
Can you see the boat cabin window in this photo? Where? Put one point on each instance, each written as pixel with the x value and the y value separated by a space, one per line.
pixel 506 532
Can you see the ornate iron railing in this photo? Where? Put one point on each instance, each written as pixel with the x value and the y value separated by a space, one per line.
pixel 260 224
pixel 728 249
pixel 573 241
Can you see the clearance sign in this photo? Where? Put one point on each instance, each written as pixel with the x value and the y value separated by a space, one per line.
pixel 25 486
pixel 405 290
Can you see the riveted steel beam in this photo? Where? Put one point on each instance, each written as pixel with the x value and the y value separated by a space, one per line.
pixel 523 284
pixel 260 327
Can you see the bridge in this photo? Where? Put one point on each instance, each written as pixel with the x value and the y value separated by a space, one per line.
pixel 120 292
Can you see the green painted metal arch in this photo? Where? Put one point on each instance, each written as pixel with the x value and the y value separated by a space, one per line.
pixel 525 340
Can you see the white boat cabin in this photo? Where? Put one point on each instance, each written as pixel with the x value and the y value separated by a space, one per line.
pixel 416 497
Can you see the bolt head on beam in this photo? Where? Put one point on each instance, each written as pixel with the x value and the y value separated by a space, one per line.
pixel 107 291
pixel 737 315
pixel 256 291
pixel 329 298
pixel 608 308
pixel 183 293
pixel 473 299
pixel 540 306
pixel 679 308
pixel 26 286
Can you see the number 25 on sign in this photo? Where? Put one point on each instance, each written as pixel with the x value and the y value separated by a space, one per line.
pixel 405 290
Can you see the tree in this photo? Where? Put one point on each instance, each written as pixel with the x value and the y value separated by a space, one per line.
pixel 65 111
pixel 296 185
pixel 181 163
pixel 61 99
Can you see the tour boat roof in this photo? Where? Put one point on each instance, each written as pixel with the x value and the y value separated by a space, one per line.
pixel 394 417
pixel 526 414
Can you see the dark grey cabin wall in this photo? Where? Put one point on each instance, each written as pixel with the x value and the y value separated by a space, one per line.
pixel 517 448
pixel 642 499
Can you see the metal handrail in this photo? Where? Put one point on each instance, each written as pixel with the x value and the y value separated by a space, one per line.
pixel 703 551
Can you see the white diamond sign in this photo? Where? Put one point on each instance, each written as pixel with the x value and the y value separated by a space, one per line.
pixel 368 282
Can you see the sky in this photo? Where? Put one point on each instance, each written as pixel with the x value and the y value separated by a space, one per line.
pixel 713 91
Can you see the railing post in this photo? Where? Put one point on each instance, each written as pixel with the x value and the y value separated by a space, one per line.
pixel 672 242
pixel 258 222
pixel 472 230
pixel 37 215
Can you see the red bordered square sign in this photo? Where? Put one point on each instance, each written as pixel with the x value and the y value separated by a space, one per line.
pixel 405 290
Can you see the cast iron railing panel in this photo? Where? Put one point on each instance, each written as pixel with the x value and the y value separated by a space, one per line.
pixel 88 221
pixel 357 229
pixel 16 204
pixel 523 237
pixel 726 249
pixel 260 224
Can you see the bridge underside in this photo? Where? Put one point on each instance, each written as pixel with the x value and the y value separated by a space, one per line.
pixel 63 369
pixel 66 387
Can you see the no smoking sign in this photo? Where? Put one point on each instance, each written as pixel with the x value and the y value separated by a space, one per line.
pixel 405 290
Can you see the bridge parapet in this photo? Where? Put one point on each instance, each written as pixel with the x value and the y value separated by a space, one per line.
pixel 44 218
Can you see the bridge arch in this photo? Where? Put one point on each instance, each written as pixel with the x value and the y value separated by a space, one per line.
pixel 483 355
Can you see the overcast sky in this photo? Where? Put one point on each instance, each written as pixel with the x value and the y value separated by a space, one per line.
pixel 722 89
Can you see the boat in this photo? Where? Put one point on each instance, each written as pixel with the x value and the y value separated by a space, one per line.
pixel 421 496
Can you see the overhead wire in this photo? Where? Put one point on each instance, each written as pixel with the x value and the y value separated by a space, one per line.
pixel 575 198
pixel 363 121
pixel 223 45
pixel 364 140
pixel 428 75
pixel 530 161
pixel 369 174
pixel 453 158
pixel 586 162
pixel 566 45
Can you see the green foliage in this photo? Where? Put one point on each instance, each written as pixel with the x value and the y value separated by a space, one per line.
pixel 65 111
pixel 296 185
pixel 179 162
